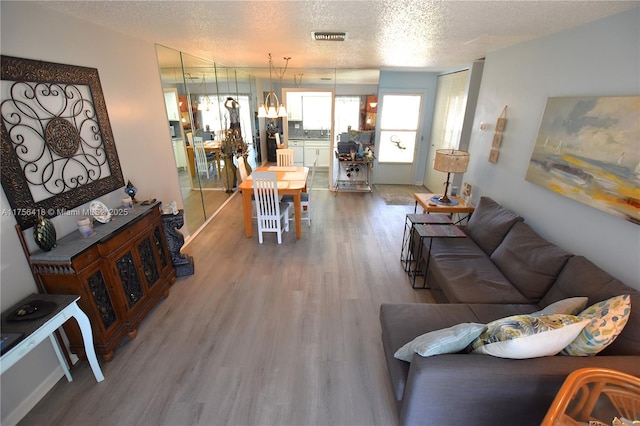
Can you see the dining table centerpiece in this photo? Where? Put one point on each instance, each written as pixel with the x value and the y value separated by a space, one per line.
pixel 233 146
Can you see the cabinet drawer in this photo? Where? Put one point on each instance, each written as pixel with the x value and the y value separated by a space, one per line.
pixel 86 258
pixel 126 235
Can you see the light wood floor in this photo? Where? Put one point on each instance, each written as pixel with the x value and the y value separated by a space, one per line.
pixel 261 334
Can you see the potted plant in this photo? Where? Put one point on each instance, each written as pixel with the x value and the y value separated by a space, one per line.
pixel 233 146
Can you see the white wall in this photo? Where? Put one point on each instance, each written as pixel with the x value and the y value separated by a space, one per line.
pixel 133 94
pixel 598 59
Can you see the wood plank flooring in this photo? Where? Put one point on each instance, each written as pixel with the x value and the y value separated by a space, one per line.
pixel 261 334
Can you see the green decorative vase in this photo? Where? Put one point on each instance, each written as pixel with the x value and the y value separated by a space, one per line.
pixel 229 174
pixel 44 233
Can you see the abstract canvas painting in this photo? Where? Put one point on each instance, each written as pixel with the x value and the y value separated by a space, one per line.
pixel 588 149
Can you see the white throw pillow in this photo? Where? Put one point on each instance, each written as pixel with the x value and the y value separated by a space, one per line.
pixel 526 336
pixel 445 341
pixel 569 306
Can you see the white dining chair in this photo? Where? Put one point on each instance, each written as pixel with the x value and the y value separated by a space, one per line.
pixel 272 214
pixel 284 157
pixel 305 197
pixel 202 165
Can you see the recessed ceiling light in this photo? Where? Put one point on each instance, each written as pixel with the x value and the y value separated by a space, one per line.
pixel 329 36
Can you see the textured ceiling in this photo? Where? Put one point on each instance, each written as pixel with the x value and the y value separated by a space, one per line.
pixel 386 34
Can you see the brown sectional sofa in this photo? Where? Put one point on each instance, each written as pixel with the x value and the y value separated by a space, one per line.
pixel 503 268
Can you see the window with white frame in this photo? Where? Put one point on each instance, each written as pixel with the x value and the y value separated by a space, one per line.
pixel 347 113
pixel 399 123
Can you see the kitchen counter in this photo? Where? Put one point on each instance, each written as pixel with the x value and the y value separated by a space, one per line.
pixel 314 139
pixel 307 149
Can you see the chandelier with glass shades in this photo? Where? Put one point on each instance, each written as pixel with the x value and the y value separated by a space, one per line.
pixel 272 108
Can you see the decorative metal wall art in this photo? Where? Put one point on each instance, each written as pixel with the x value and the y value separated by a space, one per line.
pixel 57 146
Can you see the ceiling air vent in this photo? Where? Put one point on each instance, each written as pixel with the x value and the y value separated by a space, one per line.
pixel 329 36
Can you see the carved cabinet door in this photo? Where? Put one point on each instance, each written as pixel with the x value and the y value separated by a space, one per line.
pixel 129 278
pixel 140 270
pixel 102 305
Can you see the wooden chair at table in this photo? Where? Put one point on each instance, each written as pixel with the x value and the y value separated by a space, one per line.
pixel 272 214
pixel 305 197
pixel 581 392
pixel 212 161
pixel 284 157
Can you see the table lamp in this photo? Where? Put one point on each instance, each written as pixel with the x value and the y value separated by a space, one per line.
pixel 449 161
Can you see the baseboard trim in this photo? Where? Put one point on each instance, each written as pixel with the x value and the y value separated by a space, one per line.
pixel 39 392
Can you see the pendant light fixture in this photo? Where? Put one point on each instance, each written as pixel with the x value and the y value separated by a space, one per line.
pixel 204 104
pixel 272 108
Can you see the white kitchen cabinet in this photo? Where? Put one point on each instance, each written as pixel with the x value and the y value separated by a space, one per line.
pixel 316 148
pixel 294 106
pixel 298 151
pixel 179 152
pixel 171 103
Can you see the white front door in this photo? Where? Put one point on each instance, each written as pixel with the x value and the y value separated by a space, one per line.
pixel 399 122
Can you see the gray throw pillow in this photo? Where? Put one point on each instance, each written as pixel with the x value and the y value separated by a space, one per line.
pixel 489 223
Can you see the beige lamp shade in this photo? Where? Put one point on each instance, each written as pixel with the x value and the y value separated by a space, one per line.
pixel 451 161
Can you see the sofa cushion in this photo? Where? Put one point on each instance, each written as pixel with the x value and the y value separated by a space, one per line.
pixel 444 341
pixel 528 336
pixel 606 321
pixel 529 261
pixel 465 274
pixel 489 223
pixel 580 277
pixel 568 306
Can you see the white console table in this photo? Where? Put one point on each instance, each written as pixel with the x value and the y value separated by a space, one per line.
pixel 36 330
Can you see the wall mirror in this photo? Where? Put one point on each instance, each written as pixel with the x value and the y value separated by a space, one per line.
pixel 197 89
pixel 58 150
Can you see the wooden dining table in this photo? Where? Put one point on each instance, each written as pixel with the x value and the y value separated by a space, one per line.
pixel 291 181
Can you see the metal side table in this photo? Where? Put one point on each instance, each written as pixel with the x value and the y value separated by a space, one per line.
pixel 408 244
pixel 431 231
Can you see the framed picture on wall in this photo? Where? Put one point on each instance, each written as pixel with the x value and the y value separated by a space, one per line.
pixel 587 150
pixel 501 124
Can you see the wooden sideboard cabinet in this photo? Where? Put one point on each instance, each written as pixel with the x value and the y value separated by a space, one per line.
pixel 120 273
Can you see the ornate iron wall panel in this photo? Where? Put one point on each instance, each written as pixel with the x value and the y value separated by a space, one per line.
pixel 57 146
